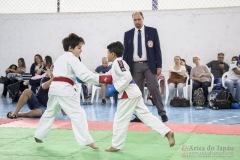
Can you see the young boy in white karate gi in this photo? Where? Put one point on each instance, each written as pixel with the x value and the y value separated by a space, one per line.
pixel 63 95
pixel 129 100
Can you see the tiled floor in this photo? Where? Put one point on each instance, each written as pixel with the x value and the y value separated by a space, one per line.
pixel 97 112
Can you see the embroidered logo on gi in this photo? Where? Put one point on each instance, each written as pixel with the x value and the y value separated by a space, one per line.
pixel 150 44
pixel 120 63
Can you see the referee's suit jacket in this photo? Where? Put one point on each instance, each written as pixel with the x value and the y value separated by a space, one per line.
pixel 152 44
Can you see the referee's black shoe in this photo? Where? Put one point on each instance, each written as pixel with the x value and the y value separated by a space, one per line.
pixel 136 119
pixel 164 118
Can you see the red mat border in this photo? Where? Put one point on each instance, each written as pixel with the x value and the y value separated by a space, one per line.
pixel 181 128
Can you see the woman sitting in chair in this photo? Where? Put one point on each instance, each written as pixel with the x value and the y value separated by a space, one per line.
pixel 39 67
pixel 201 77
pixel 13 76
pixel 177 78
pixel 7 81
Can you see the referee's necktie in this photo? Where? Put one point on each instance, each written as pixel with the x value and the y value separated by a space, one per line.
pixel 139 44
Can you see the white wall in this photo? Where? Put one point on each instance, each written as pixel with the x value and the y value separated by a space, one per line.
pixel 203 32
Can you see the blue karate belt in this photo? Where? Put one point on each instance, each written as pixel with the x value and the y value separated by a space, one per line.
pixel 132 82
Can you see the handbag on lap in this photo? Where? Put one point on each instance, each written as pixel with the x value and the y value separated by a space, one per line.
pixel 176 78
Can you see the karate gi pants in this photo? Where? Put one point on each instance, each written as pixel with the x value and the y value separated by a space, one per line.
pixel 123 115
pixel 71 105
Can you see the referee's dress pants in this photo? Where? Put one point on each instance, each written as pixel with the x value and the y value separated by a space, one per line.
pixel 141 72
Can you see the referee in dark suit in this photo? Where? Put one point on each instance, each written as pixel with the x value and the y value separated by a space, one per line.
pixel 143 55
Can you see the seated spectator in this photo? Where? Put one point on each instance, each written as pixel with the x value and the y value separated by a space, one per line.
pixel 162 83
pixel 36 70
pixel 13 74
pixel 85 88
pixel 234 58
pixel 11 69
pixel 188 68
pixel 177 78
pixel 46 65
pixel 7 81
pixel 233 79
pixel 218 68
pixel 38 62
pixel 36 103
pixel 201 77
pixel 85 91
pixel 101 70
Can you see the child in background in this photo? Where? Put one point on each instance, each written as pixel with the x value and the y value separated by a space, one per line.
pixel 234 58
pixel 129 100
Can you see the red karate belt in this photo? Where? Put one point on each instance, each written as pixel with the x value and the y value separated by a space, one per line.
pixel 124 96
pixel 63 79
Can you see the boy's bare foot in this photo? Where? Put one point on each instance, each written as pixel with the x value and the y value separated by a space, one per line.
pixel 38 140
pixel 93 146
pixel 112 149
pixel 170 137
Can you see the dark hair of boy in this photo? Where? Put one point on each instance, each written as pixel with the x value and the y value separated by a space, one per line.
pixel 117 48
pixel 71 41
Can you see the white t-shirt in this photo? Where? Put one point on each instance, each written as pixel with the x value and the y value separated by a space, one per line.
pixel 231 74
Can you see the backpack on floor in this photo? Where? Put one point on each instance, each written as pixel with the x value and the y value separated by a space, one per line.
pixel 198 97
pixel 14 90
pixel 223 100
pixel 212 98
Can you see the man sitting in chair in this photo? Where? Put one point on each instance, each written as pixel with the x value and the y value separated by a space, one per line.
pixel 101 70
pixel 218 68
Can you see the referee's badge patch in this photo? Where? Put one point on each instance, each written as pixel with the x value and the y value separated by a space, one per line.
pixel 150 44
pixel 120 63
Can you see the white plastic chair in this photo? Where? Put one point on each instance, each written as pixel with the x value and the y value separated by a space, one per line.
pixel 79 89
pixel 224 77
pixel 97 89
pixel 185 89
pixel 212 83
pixel 146 92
